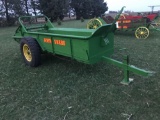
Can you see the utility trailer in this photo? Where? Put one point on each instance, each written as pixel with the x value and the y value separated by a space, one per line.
pixel 84 45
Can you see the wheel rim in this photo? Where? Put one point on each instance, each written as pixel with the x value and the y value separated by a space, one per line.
pixel 142 33
pixel 27 53
pixel 94 24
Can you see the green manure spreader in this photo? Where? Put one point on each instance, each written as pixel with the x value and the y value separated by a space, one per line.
pixel 37 35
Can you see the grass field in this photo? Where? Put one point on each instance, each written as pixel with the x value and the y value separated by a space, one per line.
pixel 64 89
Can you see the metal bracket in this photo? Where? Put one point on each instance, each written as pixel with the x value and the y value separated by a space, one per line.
pixel 127 67
pixel 126 80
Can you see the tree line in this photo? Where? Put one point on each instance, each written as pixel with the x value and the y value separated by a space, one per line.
pixel 12 9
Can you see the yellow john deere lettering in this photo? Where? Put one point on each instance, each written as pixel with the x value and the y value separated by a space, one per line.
pixel 60 42
pixel 47 40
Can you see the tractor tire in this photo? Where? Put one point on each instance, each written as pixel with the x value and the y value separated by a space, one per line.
pixel 30 51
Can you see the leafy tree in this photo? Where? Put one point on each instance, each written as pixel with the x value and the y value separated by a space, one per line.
pixel 53 8
pixel 99 7
pixel 26 6
pixel 5 11
pixel 17 7
pixel 35 6
pixel 89 8
pixel 12 9
pixel 31 6
pixel 5 6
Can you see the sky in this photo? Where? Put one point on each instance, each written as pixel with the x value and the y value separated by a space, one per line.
pixel 132 5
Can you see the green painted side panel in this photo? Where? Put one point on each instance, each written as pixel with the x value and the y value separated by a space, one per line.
pixel 80 50
pixel 92 49
pixel 46 46
pixel 62 49
pixel 101 46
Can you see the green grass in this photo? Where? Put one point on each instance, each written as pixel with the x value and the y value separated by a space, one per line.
pixel 64 89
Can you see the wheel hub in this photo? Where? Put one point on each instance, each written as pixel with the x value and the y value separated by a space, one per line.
pixel 142 33
pixel 27 52
pixel 95 27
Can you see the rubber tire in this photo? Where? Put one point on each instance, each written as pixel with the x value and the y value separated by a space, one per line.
pixel 34 49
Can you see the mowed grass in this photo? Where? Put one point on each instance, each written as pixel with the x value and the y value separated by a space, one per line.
pixel 64 89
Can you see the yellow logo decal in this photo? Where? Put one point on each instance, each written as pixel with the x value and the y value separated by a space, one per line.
pixel 47 40
pixel 60 42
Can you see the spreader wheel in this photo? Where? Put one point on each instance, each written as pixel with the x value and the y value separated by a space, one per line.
pixel 30 51
pixel 142 33
pixel 94 23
